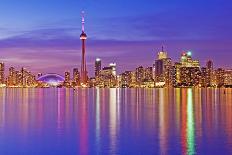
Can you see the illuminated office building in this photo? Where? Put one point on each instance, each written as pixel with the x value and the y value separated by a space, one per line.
pixel 190 76
pixel 190 73
pixel 209 73
pixel 163 66
pixel 187 61
pixel 2 74
pixel 11 80
pixel 148 77
pixel 148 74
pixel 113 66
pixel 92 82
pixel 186 73
pixel 22 78
pixel 76 77
pixel 133 79
pixel 67 76
pixel 19 78
pixel 162 54
pixel 139 75
pixel 228 78
pixel 67 79
pixel 97 67
pixel 209 64
pixel 220 77
pixel 159 71
pixel 107 77
pixel 204 76
pixel 176 74
pixel 31 80
pixel 126 79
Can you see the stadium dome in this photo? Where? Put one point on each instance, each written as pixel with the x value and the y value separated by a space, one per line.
pixel 51 79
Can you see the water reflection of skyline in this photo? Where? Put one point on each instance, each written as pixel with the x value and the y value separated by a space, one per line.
pixel 120 120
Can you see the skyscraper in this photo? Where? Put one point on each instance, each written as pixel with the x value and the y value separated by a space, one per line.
pixel 204 80
pixel 148 74
pixel 12 77
pixel 97 67
pixel 83 38
pixel 163 66
pixel 126 79
pixel 209 65
pixel 187 72
pixel 187 61
pixel 2 75
pixel 23 77
pixel 107 77
pixel 220 77
pixel 162 54
pixel 113 66
pixel 76 77
pixel 139 75
pixel 209 73
pixel 228 78
pixel 67 79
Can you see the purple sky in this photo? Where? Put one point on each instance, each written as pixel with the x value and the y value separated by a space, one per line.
pixel 43 36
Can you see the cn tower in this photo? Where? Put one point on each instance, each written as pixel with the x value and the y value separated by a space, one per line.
pixel 83 38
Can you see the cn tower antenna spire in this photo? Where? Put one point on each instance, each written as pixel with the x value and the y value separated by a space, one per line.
pixel 83 21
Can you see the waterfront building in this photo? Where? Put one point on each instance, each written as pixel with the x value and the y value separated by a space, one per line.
pixel 97 67
pixel 204 76
pixel 220 77
pixel 76 77
pixel 139 73
pixel 176 74
pixel 2 73
pixel 67 79
pixel 228 78
pixel 126 79
pixel 133 79
pixel 113 66
pixel 190 76
pixel 107 77
pixel 92 82
pixel 22 78
pixel 187 73
pixel 148 74
pixel 163 66
pixel 148 78
pixel 187 61
pixel 11 80
pixel 209 73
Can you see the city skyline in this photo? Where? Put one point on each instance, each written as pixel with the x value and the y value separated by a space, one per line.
pixel 105 63
pixel 114 33
pixel 164 73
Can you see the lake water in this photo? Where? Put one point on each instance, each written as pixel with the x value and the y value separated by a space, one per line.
pixel 115 121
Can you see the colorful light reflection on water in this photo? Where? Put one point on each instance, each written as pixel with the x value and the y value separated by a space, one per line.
pixel 115 121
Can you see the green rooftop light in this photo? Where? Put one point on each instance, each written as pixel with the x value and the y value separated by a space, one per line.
pixel 189 53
